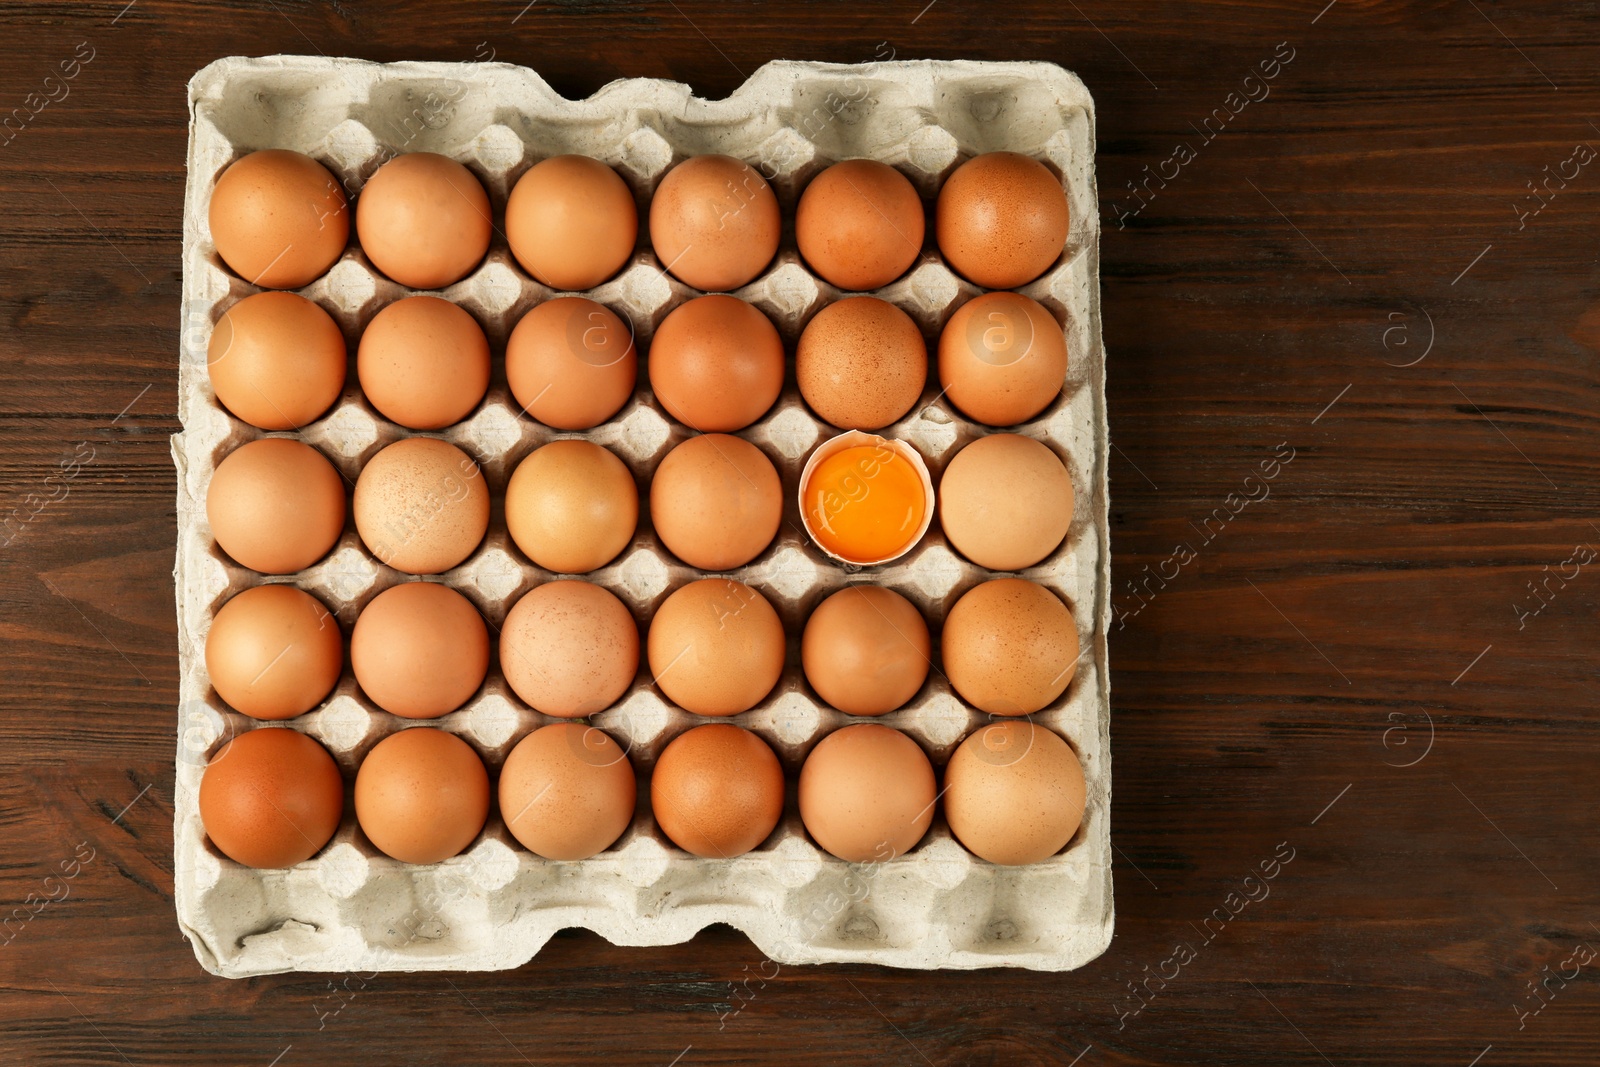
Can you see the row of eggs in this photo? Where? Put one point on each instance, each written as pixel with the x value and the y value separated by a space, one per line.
pixel 280 219
pixel 1013 793
pixel 421 505
pixel 571 648
pixel 716 364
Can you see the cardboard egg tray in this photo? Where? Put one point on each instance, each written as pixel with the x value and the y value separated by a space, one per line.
pixel 350 908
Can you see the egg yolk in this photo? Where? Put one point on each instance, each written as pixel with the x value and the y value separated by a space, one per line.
pixel 865 503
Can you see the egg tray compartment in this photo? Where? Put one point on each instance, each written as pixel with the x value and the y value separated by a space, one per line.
pixel 350 908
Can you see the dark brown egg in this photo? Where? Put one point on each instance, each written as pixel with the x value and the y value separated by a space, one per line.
pixel 717 791
pixel 271 798
pixel 716 364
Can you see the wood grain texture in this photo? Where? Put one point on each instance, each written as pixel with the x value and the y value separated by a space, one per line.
pixel 1362 616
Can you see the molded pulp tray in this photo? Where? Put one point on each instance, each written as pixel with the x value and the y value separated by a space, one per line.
pixel 350 908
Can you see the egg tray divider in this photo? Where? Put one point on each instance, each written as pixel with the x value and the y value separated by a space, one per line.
pixel 352 909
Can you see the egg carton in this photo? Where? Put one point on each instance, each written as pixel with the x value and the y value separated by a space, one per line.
pixel 351 908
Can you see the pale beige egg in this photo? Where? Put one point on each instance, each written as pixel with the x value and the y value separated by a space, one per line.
pixel 1014 793
pixel 569 648
pixel 1005 501
pixel 421 505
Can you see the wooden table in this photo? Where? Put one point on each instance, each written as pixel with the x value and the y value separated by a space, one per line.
pixel 1380 260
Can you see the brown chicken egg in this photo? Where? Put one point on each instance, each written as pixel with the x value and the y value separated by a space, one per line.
pixel 866 650
pixel 714 223
pixel 716 647
pixel 1010 647
pixel 421 505
pixel 861 363
pixel 1001 220
pixel 278 219
pixel 569 648
pixel 716 501
pixel 717 791
pixel 422 795
pixel 271 798
pixel 1014 793
pixel 423 363
pixel 567 791
pixel 423 219
pixel 1005 502
pixel 572 506
pixel 571 222
pixel 275 505
pixel 860 224
pixel 867 793
pixel 419 650
pixel 276 360
pixel 716 364
pixel 1002 358
pixel 273 652
pixel 571 363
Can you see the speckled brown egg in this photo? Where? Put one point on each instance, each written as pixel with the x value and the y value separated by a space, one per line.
pixel 716 501
pixel 276 360
pixel 859 224
pixel 567 791
pixel 571 363
pixel 1001 220
pixel 1014 793
pixel 271 798
pixel 275 505
pixel 422 795
pixel 1005 501
pixel 278 219
pixel 423 363
pixel 867 793
pixel 1010 647
pixel 716 647
pixel 571 222
pixel 572 506
pixel 423 219
pixel 861 363
pixel 714 223
pixel 421 505
pixel 273 652
pixel 717 791
pixel 866 650
pixel 716 364
pixel 1002 358
pixel 419 650
pixel 569 648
